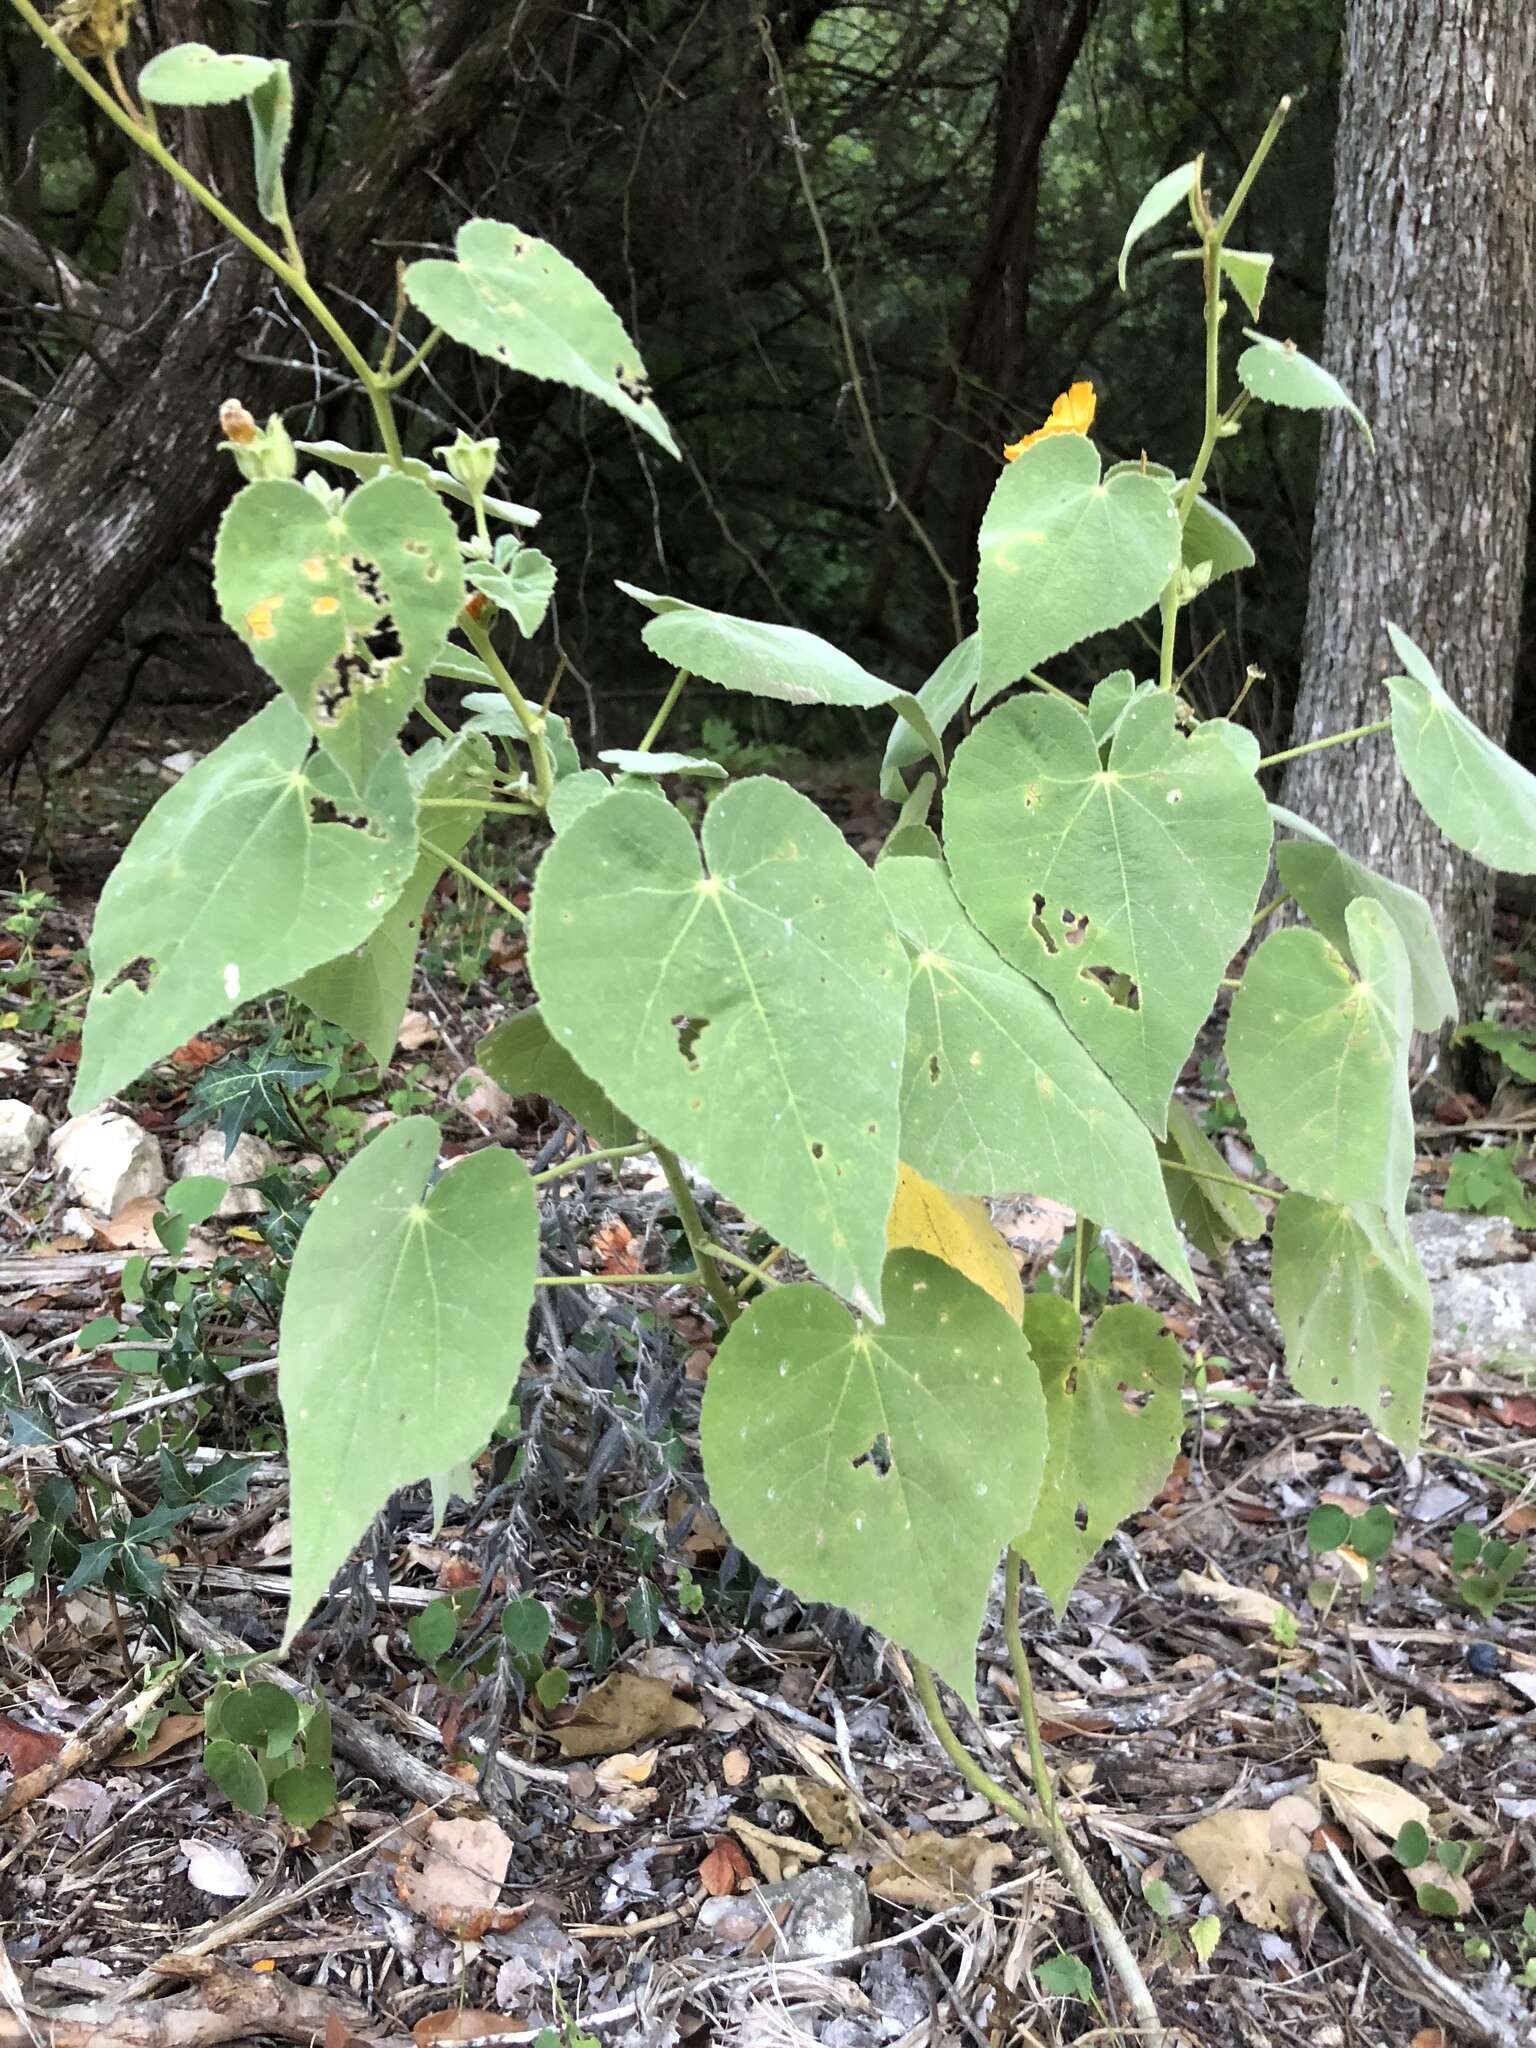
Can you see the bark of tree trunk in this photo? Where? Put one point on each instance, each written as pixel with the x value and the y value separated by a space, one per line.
pixel 1431 325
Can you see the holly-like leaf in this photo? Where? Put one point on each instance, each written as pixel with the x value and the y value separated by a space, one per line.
pixel 958 1230
pixel 751 1008
pixel 251 1091
pixel 997 1096
pixel 882 1468
pixel 1065 555
pixel 514 298
pixel 524 587
pixel 402 1334
pixel 195 900
pixel 1325 881
pixel 939 699
pixel 346 613
pixel 368 990
pixel 1123 889
pixel 1211 1214
pixel 1318 1060
pixel 1353 1302
pixel 1249 272
pixel 1482 801
pixel 520 1056
pixel 1113 1416
pixel 1165 197
pixel 1280 374
pixel 192 75
pixel 783 662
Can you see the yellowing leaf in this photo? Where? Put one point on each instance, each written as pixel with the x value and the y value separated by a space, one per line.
pixel 1072 413
pixel 1253 1860
pixel 1374 1809
pixel 1353 1736
pixel 623 1712
pixel 1241 1602
pixel 958 1230
pixel 832 1812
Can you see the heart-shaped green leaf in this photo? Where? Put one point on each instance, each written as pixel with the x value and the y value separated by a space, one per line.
pixel 1211 1213
pixel 784 662
pixel 367 990
pixel 881 1468
pixel 237 1774
pixel 1482 801
pixel 1318 1060
pixel 997 1096
pixel 1325 881
pixel 1170 191
pixel 192 75
pixel 520 1056
pixel 346 613
pixel 402 1334
pixel 1124 889
pixel 1280 374
pixel 1353 1302
pixel 1065 555
pixel 264 1717
pixel 193 897
pixel 305 1796
pixel 1113 1416
pixel 1210 536
pixel 749 1013
pixel 524 587
pixel 514 298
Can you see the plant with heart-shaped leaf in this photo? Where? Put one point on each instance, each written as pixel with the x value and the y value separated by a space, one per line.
pixel 857 1055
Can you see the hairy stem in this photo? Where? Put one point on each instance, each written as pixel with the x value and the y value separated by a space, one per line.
pixel 618 1279
pixel 698 1237
pixel 580 1159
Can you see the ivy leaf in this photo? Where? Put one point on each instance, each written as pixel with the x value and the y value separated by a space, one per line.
pixel 958 1230
pixel 346 613
pixel 195 895
pixel 997 1096
pixel 250 1091
pixel 1122 890
pixel 520 1056
pixel 1164 198
pixel 1113 1416
pixel 1318 1060
pixel 1514 1044
pixel 401 1337
pixel 237 1774
pixel 368 990
pixel 1487 1183
pixel 749 1013
pixel 1353 1302
pixel 1325 881
pixel 1211 1214
pixel 514 298
pixel 1249 272
pixel 782 662
pixel 939 699
pixel 1064 556
pixel 1280 374
pixel 192 75
pixel 524 587
pixel 880 1468
pixel 1482 801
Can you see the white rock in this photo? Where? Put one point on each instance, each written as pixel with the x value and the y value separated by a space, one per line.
pixel 1482 1288
pixel 106 1161
pixel 174 766
pixel 22 1130
pixel 250 1159
pixel 482 1098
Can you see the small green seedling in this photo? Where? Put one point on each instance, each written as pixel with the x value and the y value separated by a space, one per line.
pixel 263 1746
pixel 1486 1567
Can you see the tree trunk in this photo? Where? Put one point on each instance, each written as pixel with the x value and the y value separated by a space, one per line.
pixel 1431 326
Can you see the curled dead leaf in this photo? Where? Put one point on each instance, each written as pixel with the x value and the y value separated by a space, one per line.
pixel 725 1869
pixel 451 1873
pixel 930 1870
pixel 1373 1808
pixel 1241 1602
pixel 831 1811
pixel 622 1713
pixel 1253 1859
pixel 776 1856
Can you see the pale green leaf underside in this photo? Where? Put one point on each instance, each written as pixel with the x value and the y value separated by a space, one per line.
pixel 402 1334
pixel 1113 1417
pixel 367 990
pixel 346 614
pixel 271 112
pixel 514 298
pixel 997 1096
pixel 575 794
pixel 192 75
pixel 766 660
pixel 1353 1302
pixel 1325 881
pixel 939 699
pixel 628 762
pixel 802 1409
pixel 1211 536
pixel 1211 1214
pixel 1482 801
pixel 1170 191
pixel 231 889
pixel 1249 272
pixel 782 953
pixel 520 1056
pixel 1318 1060
pixel 372 462
pixel 1147 868
pixel 1282 375
pixel 524 589
pixel 1065 555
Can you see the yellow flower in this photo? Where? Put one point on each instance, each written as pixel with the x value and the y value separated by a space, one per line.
pixel 1071 414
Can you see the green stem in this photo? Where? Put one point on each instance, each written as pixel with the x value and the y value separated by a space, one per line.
pixel 527 717
pixel 391 380
pixel 618 1279
pixel 581 1159
pixel 668 703
pixel 1334 739
pixel 478 881
pixel 1054 689
pixel 758 1273
pixel 1023 1678
pixel 697 1236
pixel 1267 141
pixel 473 803
pixel 1080 1230
pixel 1165 650
pixel 1268 909
pixel 975 1776
pixel 439 726
pixel 1224 1180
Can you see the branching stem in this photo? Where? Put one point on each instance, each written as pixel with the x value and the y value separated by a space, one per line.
pixel 579 1160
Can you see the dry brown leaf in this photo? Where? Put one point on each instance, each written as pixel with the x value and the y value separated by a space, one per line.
pixel 623 1712
pixel 1252 1860
pixel 735 1767
pixel 614 1245
pixel 1374 1809
pixel 725 1869
pixel 464 2023
pixel 831 1811
pixel 132 1229
pixel 1241 1602
pixel 1428 2037
pixel 1351 1735
pixel 776 1856
pixel 932 1870
pixel 27 1749
pixel 455 1875
pixel 615 1772
pixel 416 1030
pixel 173 1731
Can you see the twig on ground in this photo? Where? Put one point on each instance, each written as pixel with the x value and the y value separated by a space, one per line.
pixel 88 1746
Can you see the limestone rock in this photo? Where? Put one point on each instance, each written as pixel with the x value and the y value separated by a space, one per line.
pixel 106 1161
pixel 250 1159
pixel 22 1131
pixel 1482 1287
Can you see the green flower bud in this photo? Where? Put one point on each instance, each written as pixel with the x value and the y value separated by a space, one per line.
pixel 471 463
